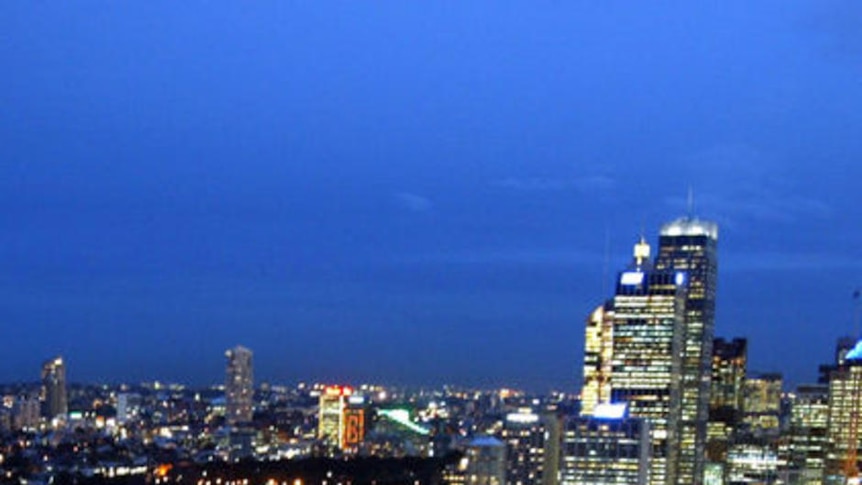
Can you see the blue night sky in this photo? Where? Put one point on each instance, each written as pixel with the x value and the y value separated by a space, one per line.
pixel 414 192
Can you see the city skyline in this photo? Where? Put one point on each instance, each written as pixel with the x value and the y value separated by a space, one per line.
pixel 414 194
pixel 642 254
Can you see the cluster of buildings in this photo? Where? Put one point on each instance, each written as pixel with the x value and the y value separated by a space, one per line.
pixel 684 401
pixel 663 402
pixel 57 432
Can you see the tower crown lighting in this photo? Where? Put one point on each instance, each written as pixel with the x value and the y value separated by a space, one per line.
pixel 855 354
pixel 687 226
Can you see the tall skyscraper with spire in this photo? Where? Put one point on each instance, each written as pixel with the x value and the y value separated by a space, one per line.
pixel 646 355
pixel 239 385
pixel 690 245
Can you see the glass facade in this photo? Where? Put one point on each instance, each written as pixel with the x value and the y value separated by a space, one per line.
pixel 599 451
pixel 691 246
pixel 807 446
pixel 646 358
pixel 598 349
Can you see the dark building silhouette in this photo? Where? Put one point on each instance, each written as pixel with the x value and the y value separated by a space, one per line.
pixel 54 398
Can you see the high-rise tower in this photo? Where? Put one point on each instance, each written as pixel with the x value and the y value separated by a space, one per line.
pixel 598 348
pixel 729 367
pixel 54 400
pixel 690 245
pixel 845 409
pixel 239 385
pixel 649 316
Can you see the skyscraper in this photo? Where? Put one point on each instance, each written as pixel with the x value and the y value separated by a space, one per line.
pixel 845 407
pixel 239 385
pixel 691 246
pixel 648 326
pixel 54 400
pixel 598 348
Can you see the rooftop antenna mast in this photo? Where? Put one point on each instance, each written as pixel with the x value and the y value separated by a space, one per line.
pixel 856 312
pixel 690 202
pixel 607 262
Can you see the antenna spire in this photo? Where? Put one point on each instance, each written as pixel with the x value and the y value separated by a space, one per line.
pixel 690 202
pixel 607 263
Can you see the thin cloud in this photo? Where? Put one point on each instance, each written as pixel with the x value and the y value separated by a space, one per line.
pixel 506 256
pixel 837 22
pixel 778 261
pixel 736 184
pixel 591 183
pixel 414 202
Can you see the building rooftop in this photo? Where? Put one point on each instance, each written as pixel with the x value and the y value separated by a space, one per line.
pixel 486 441
pixel 687 226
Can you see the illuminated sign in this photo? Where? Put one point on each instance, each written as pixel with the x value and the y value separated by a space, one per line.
pixel 608 410
pixel 525 418
pixel 338 390
pixel 356 399
pixel 354 427
pixel 632 278
pixel 402 417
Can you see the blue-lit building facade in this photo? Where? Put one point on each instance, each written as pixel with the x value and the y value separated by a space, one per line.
pixel 607 448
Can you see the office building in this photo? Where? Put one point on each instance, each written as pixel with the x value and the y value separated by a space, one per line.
pixel 807 440
pixel 845 406
pixel 729 364
pixel 25 413
pixel 606 448
pixel 753 460
pixel 729 367
pixel 648 333
pixel 713 473
pixel 762 404
pixel 239 386
pixel 331 423
pixel 690 246
pixel 354 422
pixel 54 398
pixel 598 347
pixel 523 434
pixel 486 461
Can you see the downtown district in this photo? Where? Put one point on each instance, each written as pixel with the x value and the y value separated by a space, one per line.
pixel 663 402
